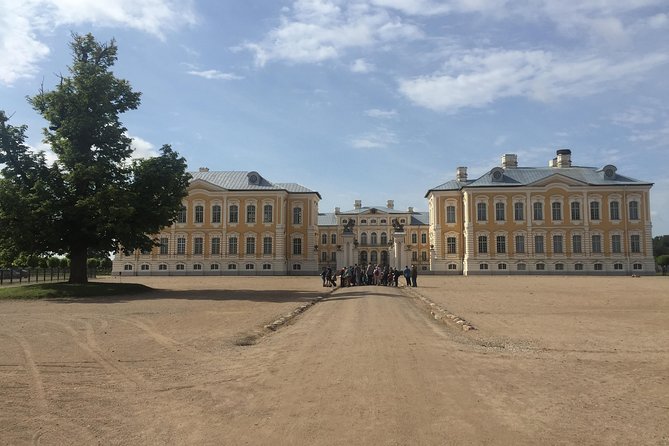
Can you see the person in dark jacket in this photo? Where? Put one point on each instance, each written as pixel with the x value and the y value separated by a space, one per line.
pixel 414 274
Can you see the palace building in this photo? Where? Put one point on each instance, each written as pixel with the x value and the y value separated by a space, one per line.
pixel 558 219
pixel 376 234
pixel 234 223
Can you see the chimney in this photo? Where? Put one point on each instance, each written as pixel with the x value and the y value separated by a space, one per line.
pixel 509 160
pixel 337 211
pixel 461 174
pixel 357 204
pixel 410 210
pixel 391 204
pixel 563 158
pixel 204 169
pixel 552 163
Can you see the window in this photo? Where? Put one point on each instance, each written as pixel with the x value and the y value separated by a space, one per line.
pixel 483 244
pixel 373 239
pixel 374 257
pixel 559 267
pixel 297 216
pixel 423 238
pixel 594 210
pixel 637 266
pixel 197 267
pixel 556 211
pixel 297 246
pixel 127 267
pixel 538 209
pixel 233 214
pixel 518 211
pixel 324 239
pixel 181 215
pixel 614 210
pixel 297 266
pixel 267 212
pixel 216 213
pixel 597 244
pixel 199 214
pixel 333 239
pixel 615 244
pixel 181 245
pixel 333 257
pixel 232 266
pixel 384 238
pixel 363 221
pixel 266 266
pixel 634 210
pixel 618 266
pixel 180 267
pixel 363 257
pixel 483 266
pixel 635 243
pixel 576 244
pixel 363 238
pixel 164 245
pixel 233 245
pixel 414 238
pixel 521 267
pixel 324 256
pixel 541 266
pixel 198 245
pixel 501 266
pixel 539 244
pixel 501 244
pixel 451 245
pixel 423 255
pixel 520 244
pixel 481 212
pixel 215 245
pixel 599 267
pixel 250 245
pixel 452 266
pixel 214 267
pixel 249 266
pixel 575 210
pixel 414 256
pixel 251 213
pixel 450 214
pixel 267 245
pixel 578 267
pixel 162 267
pixel 499 212
pixel 558 244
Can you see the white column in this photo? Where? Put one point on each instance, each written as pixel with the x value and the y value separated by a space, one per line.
pixel 398 237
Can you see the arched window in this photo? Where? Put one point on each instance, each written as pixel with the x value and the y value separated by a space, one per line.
pixel 233 213
pixel 384 238
pixel 199 214
pixel 267 213
pixel 216 213
pixel 373 240
pixel 363 238
pixel 297 216
pixel 251 213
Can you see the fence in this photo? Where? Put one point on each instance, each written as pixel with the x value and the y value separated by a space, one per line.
pixel 13 276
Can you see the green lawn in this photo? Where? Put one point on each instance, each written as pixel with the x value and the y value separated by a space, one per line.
pixel 66 290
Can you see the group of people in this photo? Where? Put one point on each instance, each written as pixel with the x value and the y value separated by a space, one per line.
pixel 359 275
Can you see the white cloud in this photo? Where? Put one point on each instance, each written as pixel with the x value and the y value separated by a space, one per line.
pixel 317 30
pixel 381 114
pixel 377 139
pixel 215 74
pixel 142 148
pixel 22 25
pixel 362 66
pixel 634 116
pixel 478 78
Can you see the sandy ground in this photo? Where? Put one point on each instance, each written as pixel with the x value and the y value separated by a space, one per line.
pixel 554 360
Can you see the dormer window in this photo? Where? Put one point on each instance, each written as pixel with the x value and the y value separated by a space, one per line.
pixel 497 174
pixel 254 178
pixel 609 172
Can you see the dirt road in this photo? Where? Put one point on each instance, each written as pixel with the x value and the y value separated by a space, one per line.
pixel 365 366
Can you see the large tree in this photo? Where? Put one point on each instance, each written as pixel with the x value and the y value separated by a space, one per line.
pixel 94 198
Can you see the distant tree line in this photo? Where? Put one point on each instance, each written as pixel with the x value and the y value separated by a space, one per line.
pixel 661 252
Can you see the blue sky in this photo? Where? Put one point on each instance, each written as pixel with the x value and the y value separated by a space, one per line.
pixel 369 99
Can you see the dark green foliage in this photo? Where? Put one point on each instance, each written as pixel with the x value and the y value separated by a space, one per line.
pixel 663 262
pixel 93 199
pixel 661 245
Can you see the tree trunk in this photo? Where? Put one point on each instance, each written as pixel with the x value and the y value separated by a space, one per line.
pixel 78 265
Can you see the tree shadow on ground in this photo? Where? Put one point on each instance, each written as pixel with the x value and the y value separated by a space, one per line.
pixel 273 296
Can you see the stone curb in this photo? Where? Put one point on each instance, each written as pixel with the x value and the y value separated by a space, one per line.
pixel 438 312
pixel 283 320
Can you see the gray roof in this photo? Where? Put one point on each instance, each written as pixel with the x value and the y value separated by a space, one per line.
pixel 380 209
pixel 330 218
pixel 525 176
pixel 239 181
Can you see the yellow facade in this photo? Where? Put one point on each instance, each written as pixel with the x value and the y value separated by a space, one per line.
pixel 253 230
pixel 561 219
